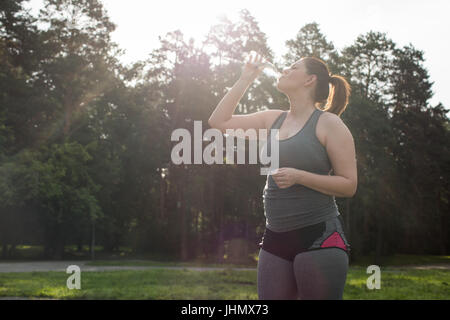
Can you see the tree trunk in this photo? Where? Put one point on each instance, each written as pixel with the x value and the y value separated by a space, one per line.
pixel 93 241
pixel 216 211
pixel 67 120
pixel 444 225
pixel 4 251
pixel 59 248
pixel 162 198
pixel 181 208
pixel 220 240
pixel 12 251
pixel 379 236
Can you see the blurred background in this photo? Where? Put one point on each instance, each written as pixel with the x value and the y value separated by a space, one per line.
pixel 90 92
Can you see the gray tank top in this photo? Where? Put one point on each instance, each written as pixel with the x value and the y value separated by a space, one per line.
pixel 298 206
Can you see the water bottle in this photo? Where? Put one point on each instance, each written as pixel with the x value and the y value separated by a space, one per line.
pixel 267 67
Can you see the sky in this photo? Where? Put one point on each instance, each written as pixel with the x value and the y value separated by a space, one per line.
pixel 424 24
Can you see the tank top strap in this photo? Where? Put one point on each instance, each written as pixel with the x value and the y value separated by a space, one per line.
pixel 309 126
pixel 277 123
pixel 312 123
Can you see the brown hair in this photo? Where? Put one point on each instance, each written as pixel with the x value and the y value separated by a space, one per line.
pixel 336 100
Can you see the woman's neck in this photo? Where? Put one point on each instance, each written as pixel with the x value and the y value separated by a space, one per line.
pixel 300 107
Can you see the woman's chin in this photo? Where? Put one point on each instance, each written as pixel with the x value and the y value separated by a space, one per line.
pixel 279 87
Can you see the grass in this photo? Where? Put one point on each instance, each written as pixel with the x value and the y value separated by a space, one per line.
pixel 400 284
pixel 228 284
pixel 397 280
pixel 403 260
pixel 148 284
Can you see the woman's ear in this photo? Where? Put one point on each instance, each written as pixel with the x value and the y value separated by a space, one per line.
pixel 311 78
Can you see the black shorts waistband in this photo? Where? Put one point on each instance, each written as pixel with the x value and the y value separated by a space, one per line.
pixel 322 235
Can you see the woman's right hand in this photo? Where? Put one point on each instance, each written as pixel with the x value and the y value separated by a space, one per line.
pixel 251 70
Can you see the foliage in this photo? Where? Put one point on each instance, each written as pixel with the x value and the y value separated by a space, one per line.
pixel 85 141
pixel 228 284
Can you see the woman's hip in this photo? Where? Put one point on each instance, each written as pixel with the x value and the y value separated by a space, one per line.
pixel 286 245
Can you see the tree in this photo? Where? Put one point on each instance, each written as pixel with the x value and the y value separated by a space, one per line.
pixel 368 65
pixel 310 41
pixel 80 54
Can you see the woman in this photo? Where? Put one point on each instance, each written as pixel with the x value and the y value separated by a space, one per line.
pixel 304 252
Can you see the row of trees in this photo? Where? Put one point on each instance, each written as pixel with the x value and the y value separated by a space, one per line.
pixel 85 140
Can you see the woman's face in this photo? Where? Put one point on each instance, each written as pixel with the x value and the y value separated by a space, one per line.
pixel 295 78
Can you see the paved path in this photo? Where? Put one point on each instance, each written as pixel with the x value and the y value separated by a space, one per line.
pixel 39 266
pixel 443 266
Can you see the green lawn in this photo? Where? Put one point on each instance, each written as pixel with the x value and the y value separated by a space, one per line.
pixel 220 285
pixel 403 260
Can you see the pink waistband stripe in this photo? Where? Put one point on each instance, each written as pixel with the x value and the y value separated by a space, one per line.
pixel 334 240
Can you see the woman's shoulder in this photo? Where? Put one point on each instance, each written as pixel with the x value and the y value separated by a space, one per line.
pixel 328 118
pixel 327 124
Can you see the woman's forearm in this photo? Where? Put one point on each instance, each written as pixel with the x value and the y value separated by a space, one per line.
pixel 332 185
pixel 225 109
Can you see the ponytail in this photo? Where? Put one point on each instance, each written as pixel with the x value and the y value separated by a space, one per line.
pixel 336 99
pixel 339 95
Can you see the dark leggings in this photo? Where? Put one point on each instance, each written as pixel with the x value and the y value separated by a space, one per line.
pixel 308 263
